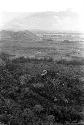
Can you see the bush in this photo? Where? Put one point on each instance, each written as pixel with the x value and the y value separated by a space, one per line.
pixel 52 97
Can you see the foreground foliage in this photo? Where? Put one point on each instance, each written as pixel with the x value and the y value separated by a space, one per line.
pixel 44 98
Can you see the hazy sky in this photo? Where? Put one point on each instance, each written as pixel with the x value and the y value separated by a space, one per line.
pixel 59 14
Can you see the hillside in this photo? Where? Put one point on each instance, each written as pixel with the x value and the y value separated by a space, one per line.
pixel 18 36
pixel 11 40
pixel 40 92
pixel 40 45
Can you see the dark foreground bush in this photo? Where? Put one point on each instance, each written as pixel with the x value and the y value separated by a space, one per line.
pixel 44 99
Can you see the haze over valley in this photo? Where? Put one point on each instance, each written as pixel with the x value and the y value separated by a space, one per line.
pixel 43 34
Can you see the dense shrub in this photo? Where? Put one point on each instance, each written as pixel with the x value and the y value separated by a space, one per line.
pixel 47 98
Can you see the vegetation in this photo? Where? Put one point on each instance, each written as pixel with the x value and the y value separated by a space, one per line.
pixel 39 92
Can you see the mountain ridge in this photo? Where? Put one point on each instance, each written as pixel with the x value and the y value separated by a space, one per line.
pixel 18 35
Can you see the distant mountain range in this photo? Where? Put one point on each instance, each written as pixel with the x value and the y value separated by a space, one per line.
pixel 49 20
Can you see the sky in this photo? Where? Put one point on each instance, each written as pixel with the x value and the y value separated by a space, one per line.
pixel 59 14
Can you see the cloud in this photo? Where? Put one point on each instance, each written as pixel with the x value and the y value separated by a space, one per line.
pixel 62 20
